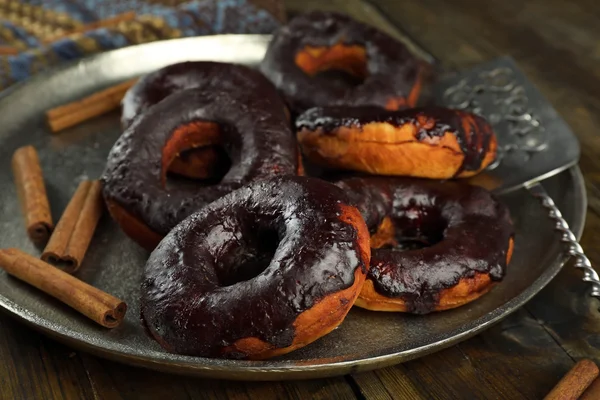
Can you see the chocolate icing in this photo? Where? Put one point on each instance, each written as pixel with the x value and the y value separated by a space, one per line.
pixel 207 75
pixel 196 298
pixel 256 137
pixel 392 70
pixel 472 132
pixel 473 227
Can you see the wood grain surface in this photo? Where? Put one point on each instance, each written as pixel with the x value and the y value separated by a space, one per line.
pixel 557 44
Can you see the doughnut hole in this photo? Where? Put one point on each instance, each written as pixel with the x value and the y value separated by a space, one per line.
pixel 410 229
pixel 208 162
pixel 249 260
pixel 411 100
pixel 340 64
pixel 194 151
pixel 419 227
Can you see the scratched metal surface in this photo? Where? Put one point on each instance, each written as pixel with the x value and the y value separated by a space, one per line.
pixel 534 142
pixel 365 340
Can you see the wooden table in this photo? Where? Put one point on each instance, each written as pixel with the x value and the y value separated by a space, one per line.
pixel 557 44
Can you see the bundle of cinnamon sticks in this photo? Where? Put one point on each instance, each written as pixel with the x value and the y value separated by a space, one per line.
pixel 66 244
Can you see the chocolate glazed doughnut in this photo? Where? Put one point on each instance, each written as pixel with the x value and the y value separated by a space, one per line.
pixel 204 162
pixel 319 41
pixel 260 272
pixel 435 246
pixel 207 75
pixel 431 142
pixel 250 125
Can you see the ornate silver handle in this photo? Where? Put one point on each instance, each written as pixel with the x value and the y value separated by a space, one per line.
pixel 574 248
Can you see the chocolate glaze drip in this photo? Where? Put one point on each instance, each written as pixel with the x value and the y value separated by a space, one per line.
pixel 472 132
pixel 194 298
pixel 392 70
pixel 256 137
pixel 207 75
pixel 475 229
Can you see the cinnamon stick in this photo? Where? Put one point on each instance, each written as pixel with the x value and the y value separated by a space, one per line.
pixel 592 392
pixel 97 305
pixel 127 16
pixel 74 231
pixel 9 51
pixel 575 382
pixel 99 103
pixel 32 194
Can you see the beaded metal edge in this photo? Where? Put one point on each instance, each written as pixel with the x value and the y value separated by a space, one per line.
pixel 533 141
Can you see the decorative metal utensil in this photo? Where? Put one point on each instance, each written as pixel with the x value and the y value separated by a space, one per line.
pixel 535 143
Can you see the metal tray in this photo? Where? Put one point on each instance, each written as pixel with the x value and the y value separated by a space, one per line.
pixel 366 340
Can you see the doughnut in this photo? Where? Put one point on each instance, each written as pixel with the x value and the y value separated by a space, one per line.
pixel 207 75
pixel 198 163
pixel 249 124
pixel 384 73
pixel 430 142
pixel 434 246
pixel 264 270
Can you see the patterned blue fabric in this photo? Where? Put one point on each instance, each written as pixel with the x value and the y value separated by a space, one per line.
pixel 154 20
